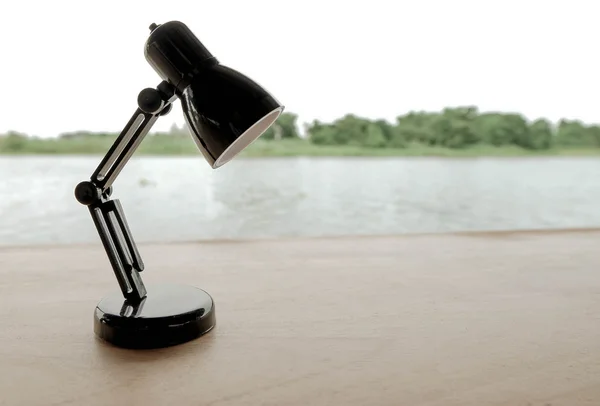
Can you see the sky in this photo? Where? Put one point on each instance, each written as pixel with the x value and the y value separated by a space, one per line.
pixel 79 65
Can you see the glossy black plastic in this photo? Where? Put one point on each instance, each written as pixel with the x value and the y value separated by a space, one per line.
pixel 108 215
pixel 219 103
pixel 168 316
pixel 176 54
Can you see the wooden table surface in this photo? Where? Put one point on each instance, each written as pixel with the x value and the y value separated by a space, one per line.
pixel 473 319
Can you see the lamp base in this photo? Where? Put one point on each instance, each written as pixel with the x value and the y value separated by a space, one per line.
pixel 168 315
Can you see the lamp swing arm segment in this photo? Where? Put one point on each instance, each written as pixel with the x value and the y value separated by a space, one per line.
pixel 108 215
pixel 122 149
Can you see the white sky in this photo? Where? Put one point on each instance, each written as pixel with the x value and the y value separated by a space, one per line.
pixel 79 65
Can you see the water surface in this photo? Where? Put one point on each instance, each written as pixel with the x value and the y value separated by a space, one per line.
pixel 179 199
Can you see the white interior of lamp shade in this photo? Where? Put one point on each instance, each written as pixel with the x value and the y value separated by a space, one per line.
pixel 247 137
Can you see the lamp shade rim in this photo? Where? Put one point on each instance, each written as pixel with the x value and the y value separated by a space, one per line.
pixel 248 137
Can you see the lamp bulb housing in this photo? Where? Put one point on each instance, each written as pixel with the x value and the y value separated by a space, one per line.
pixel 225 110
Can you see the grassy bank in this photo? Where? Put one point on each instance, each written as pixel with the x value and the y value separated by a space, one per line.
pixel 161 145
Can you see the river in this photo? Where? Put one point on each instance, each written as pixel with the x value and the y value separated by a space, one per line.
pixel 182 199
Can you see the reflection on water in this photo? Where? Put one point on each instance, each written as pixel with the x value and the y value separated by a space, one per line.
pixel 171 199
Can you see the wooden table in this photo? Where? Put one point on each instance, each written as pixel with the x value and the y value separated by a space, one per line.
pixel 472 319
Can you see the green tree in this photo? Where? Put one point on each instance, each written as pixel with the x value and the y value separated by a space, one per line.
pixel 284 127
pixel 501 129
pixel 269 134
pixel 540 135
pixel 415 127
pixel 287 121
pixel 594 135
pixel 351 130
pixel 321 134
pixel 14 142
pixel 454 127
pixel 573 133
pixel 519 128
pixel 397 139
pixel 387 129
pixel 375 137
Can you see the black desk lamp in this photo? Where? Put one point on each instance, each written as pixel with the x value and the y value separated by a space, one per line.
pixel 225 111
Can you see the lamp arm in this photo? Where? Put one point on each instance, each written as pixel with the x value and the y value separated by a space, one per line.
pixel 152 103
pixel 107 214
pixel 122 149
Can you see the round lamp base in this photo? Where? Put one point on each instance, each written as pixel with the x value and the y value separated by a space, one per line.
pixel 168 315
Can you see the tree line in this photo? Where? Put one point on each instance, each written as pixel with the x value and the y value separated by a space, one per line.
pixel 456 128
pixel 453 127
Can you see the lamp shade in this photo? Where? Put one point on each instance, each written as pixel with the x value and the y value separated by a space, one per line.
pixel 224 109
